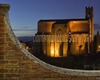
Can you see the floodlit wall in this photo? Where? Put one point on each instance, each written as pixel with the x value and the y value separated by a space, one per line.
pixel 80 44
pixel 45 26
pixel 79 26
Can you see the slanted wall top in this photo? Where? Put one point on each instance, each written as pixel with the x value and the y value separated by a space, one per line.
pixel 4 8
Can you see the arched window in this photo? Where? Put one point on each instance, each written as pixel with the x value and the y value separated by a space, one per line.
pixel 59 32
pixel 59 45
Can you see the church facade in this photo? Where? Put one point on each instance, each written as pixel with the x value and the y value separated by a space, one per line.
pixel 67 36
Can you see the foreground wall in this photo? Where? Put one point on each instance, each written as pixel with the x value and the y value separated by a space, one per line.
pixel 16 63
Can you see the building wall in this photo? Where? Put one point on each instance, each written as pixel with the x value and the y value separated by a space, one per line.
pixel 79 26
pixel 45 26
pixel 16 63
pixel 79 44
pixel 60 45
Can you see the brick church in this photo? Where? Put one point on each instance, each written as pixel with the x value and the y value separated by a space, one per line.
pixel 76 35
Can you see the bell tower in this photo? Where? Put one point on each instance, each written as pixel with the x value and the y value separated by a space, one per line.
pixel 89 12
pixel 90 17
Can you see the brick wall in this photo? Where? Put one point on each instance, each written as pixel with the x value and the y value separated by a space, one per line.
pixel 18 64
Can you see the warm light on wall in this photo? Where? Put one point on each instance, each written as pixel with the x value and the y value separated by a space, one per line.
pixel 99 46
pixel 56 53
pixel 79 26
pixel 98 49
pixel 52 52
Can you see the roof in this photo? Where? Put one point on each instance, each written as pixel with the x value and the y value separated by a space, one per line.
pixel 62 21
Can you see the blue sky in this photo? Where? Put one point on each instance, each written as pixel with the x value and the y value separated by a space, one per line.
pixel 24 14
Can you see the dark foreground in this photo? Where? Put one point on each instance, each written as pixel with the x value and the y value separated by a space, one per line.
pixel 89 62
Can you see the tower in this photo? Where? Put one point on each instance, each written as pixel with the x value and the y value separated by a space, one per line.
pixel 89 12
pixel 89 16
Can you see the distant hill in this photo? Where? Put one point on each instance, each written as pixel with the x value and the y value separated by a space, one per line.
pixel 25 38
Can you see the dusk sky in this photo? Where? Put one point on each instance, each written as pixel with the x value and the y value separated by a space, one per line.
pixel 24 14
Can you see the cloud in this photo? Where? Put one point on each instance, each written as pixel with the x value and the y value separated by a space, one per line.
pixel 25 32
pixel 24 29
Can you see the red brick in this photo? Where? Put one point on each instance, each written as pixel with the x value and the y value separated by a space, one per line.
pixel 3 70
pixel 1 74
pixel 11 66
pixel 1 57
pixel 67 78
pixel 42 75
pixel 64 75
pixel 13 70
pixel 14 61
pixel 2 41
pixel 2 35
pixel 3 48
pixel 3 30
pixel 3 53
pixel 4 61
pixel 97 78
pixel 12 75
pixel 55 75
pixel 25 70
pixel 53 79
pixel 91 78
pixel 2 25
pixel 1 18
pixel 25 61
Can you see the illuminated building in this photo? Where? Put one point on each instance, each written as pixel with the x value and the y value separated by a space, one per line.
pixel 75 36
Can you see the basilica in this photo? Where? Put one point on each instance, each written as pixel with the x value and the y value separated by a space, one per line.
pixel 63 37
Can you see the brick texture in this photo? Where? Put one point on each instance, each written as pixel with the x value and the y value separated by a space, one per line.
pixel 14 65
